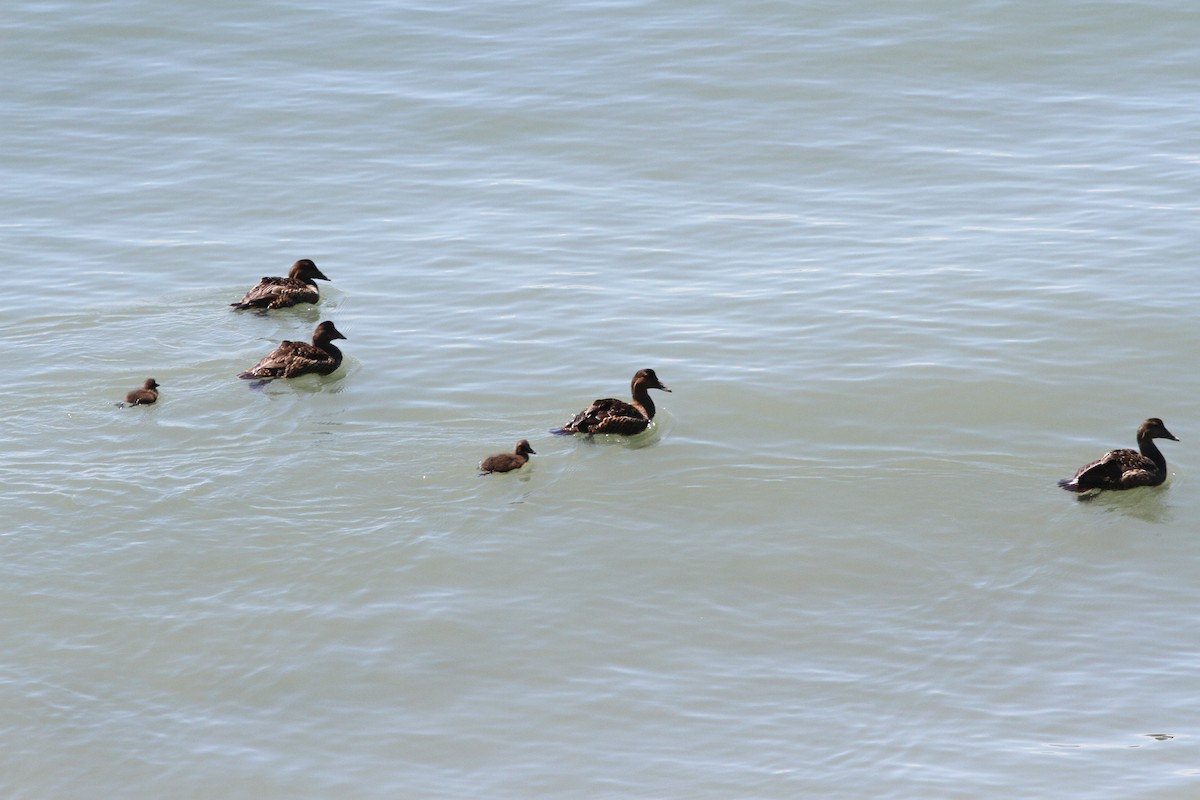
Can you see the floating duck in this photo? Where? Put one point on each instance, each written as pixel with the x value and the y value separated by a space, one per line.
pixel 298 287
pixel 1124 468
pixel 507 462
pixel 616 416
pixel 292 359
pixel 147 395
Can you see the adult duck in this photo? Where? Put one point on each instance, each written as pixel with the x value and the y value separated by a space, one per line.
pixel 611 415
pixel 507 462
pixel 1124 468
pixel 146 395
pixel 300 286
pixel 292 359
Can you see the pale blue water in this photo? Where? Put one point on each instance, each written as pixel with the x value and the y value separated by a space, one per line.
pixel 903 268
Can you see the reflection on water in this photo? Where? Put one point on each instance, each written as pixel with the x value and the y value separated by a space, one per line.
pixel 1148 504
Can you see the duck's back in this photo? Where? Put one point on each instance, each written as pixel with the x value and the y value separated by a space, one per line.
pixel 279 293
pixel 141 397
pixel 503 462
pixel 608 415
pixel 291 359
pixel 1116 469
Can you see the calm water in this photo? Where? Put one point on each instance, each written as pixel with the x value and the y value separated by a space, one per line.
pixel 903 268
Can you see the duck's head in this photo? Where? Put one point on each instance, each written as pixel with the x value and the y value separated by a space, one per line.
pixel 1154 428
pixel 523 448
pixel 326 332
pixel 647 379
pixel 150 384
pixel 306 270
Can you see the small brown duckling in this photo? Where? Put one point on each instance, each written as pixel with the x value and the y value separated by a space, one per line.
pixel 147 395
pixel 507 462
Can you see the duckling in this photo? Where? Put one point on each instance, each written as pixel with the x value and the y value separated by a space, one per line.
pixel 298 287
pixel 1124 468
pixel 507 462
pixel 147 395
pixel 610 415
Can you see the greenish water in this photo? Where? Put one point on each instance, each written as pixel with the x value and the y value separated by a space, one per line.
pixel 901 269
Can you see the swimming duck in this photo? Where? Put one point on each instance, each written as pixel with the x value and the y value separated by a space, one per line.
pixel 298 287
pixel 616 416
pixel 291 359
pixel 1124 468
pixel 507 462
pixel 144 396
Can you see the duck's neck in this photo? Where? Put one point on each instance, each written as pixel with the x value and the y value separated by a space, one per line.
pixel 641 399
pixel 1150 450
pixel 328 347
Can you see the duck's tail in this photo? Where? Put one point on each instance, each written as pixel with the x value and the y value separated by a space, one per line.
pixel 561 432
pixel 1081 492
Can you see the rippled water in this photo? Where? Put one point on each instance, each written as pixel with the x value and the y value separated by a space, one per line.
pixel 903 268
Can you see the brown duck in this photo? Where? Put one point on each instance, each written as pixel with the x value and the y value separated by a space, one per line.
pixel 507 462
pixel 611 415
pixel 144 396
pixel 298 287
pixel 292 359
pixel 1124 468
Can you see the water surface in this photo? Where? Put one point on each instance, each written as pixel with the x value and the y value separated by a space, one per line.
pixel 902 267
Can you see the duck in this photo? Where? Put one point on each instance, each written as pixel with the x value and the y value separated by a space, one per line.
pixel 611 415
pixel 507 462
pixel 1125 468
pixel 298 287
pixel 145 396
pixel 292 359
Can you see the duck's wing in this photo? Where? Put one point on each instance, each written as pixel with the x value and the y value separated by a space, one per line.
pixel 278 293
pixel 298 292
pixel 608 415
pixel 141 397
pixel 1108 471
pixel 290 359
pixel 1136 469
pixel 261 295
pixel 623 424
pixel 502 462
